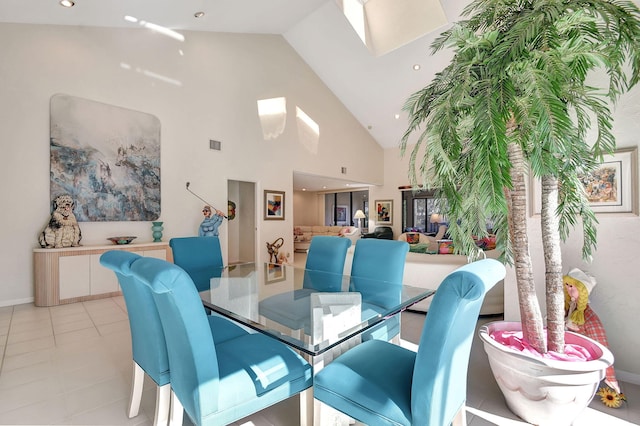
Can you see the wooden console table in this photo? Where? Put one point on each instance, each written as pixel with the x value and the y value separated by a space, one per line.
pixel 74 274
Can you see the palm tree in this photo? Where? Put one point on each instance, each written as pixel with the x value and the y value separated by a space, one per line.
pixel 518 97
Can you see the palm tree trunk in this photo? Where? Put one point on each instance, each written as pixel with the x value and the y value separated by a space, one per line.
pixel 553 264
pixel 530 314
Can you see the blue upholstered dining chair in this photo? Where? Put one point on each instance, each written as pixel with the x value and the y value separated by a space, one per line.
pixel 323 272
pixel 201 257
pixel 327 253
pixel 379 383
pixel 380 260
pixel 147 337
pixel 217 382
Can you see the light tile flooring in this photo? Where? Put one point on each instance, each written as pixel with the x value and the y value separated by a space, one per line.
pixel 70 364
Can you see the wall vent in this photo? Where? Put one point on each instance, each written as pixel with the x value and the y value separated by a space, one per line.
pixel 217 145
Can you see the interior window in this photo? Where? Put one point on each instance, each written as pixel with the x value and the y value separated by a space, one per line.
pixel 422 212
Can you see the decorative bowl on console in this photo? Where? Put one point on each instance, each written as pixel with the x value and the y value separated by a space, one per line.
pixel 121 240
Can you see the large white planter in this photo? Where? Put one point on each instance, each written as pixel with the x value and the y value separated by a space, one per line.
pixel 542 391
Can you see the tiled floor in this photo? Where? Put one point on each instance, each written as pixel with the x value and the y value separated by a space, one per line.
pixel 71 364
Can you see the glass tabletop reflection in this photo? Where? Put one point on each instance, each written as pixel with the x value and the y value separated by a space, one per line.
pixel 311 311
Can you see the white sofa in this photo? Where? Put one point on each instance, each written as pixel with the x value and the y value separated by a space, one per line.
pixel 428 271
pixel 302 234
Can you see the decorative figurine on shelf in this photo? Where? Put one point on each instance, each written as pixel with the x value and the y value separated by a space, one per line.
pixel 273 250
pixel 211 222
pixel 63 229
pixel 582 319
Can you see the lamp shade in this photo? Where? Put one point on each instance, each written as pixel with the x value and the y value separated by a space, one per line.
pixel 435 218
pixel 359 215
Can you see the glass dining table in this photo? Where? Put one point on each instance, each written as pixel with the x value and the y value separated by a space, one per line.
pixel 319 314
pixel 311 311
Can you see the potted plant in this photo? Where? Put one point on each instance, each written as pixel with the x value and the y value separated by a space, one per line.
pixel 519 96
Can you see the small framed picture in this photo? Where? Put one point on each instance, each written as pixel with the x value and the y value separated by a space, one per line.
pixel 341 215
pixel 273 205
pixel 275 273
pixel 384 212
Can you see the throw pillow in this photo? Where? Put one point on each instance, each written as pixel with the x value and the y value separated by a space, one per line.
pixel 413 238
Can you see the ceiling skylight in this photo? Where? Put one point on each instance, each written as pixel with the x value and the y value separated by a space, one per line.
pixel 385 25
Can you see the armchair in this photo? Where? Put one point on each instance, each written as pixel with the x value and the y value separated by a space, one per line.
pixel 431 242
pixel 381 233
pixel 427 388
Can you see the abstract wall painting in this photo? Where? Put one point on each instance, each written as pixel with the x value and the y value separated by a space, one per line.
pixel 273 205
pixel 107 158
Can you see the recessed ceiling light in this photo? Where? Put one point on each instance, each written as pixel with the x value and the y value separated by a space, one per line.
pixel 397 116
pixel 67 3
pixel 416 67
pixel 198 14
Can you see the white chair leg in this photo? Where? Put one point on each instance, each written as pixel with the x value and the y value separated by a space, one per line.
pixel 177 411
pixel 460 418
pixel 136 390
pixel 163 404
pixel 306 407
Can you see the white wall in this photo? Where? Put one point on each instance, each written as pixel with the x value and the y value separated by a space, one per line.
pixel 216 80
pixel 305 207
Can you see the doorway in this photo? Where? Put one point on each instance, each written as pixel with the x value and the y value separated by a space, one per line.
pixel 241 237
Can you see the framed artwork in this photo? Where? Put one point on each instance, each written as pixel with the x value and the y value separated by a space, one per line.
pixel 275 273
pixel 107 158
pixel 611 188
pixel 384 212
pixel 341 215
pixel 273 205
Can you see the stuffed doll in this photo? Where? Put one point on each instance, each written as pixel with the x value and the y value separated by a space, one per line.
pixel 580 318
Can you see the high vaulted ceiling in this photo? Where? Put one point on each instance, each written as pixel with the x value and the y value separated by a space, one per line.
pixel 373 88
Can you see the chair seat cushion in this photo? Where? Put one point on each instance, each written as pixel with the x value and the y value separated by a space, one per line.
pixel 255 361
pixel 291 309
pixel 371 383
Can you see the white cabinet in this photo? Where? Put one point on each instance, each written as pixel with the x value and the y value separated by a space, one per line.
pixel 103 280
pixel 74 274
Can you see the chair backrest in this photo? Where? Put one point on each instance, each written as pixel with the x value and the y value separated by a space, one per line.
pixel 201 257
pixel 327 253
pixel 190 346
pixel 380 259
pixel 439 386
pixel 147 337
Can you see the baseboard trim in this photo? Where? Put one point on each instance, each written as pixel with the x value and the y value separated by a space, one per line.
pixel 625 376
pixel 4 303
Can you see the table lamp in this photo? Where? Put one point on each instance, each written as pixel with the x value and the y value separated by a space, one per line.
pixel 359 215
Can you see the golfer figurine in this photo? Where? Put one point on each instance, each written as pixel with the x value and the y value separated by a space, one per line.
pixel 211 222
